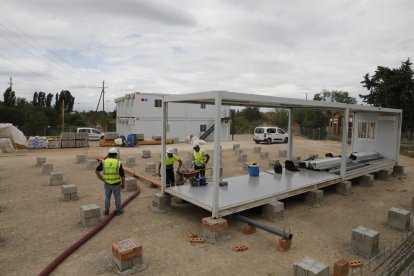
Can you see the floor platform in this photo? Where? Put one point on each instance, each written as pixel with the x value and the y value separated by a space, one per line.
pixel 245 192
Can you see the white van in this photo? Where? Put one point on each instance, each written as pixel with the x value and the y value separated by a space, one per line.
pixel 93 133
pixel 269 135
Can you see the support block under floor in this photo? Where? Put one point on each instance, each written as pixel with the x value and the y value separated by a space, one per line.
pixel 344 188
pixel 399 219
pixel 214 230
pixel 273 211
pixel 161 201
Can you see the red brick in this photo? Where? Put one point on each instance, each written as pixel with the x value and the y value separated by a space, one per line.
pixel 240 247
pixel 214 225
pixel 197 240
pixel 248 229
pixel 341 268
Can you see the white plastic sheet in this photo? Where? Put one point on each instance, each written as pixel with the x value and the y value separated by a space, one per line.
pixel 6 145
pixel 14 134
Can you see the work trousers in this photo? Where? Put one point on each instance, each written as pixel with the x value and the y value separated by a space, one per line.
pixel 202 169
pixel 170 176
pixel 116 189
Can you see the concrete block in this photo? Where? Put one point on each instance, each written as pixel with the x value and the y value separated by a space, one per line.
pixel 365 241
pixel 90 215
pixel 308 266
pixel 264 155
pixel 176 140
pixel 257 149
pixel 367 180
pixel 398 170
pixel 69 192
pixel 150 167
pixel 344 188
pixel 214 230
pixel 131 184
pixel 399 219
pixel 47 168
pixel 383 174
pixel 80 158
pixel 282 153
pixel 236 146
pixel 314 197
pixel 242 157
pixel 127 253
pixel 130 162
pixel 273 211
pixel 91 164
pixel 56 178
pixel 238 151
pixel 40 161
pixel 146 153
pixel 161 201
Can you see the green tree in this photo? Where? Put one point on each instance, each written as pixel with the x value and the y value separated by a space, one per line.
pixel 35 101
pixel 67 99
pixel 41 98
pixel 9 97
pixel 393 88
pixel 251 113
pixel 49 99
pixel 21 103
pixel 334 96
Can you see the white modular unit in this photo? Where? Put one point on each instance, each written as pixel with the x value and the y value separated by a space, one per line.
pixel 141 113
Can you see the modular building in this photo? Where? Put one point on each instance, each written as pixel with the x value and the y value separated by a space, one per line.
pixel 141 113
pixel 375 147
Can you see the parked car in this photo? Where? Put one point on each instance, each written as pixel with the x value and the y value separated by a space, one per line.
pixel 269 135
pixel 93 133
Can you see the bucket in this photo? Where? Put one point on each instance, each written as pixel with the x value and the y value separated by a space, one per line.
pixel 253 169
pixel 131 140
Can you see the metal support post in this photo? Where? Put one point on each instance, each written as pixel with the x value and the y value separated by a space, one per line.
pixel 216 164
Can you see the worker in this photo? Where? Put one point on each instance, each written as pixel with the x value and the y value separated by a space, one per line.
pixel 200 159
pixel 170 158
pixel 113 178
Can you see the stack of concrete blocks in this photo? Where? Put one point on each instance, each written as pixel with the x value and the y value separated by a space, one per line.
pixel 81 139
pixel 131 184
pixel 365 241
pixel 90 215
pixel 399 219
pixel 344 187
pixel 110 135
pixel 282 153
pixel 272 162
pixel 156 137
pixel 175 150
pixel 246 166
pixel 139 137
pixel 238 151
pixel 242 157
pixel 257 149
pixel 146 153
pixel 127 253
pixel 40 161
pixel 91 164
pixel 310 267
pixel 264 155
pixel 68 139
pixel 161 201
pixel 47 168
pixel 80 158
pixel 214 230
pixel 150 167
pixel 130 162
pixel 56 179
pixel 236 146
pixel 367 180
pixel 314 198
pixel 273 211
pixel 176 140
pixel 69 192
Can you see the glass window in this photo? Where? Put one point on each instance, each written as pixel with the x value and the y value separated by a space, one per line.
pixel 95 131
pixel 366 130
pixel 280 131
pixel 203 128
pixel 157 103
pixel 259 130
pixel 271 130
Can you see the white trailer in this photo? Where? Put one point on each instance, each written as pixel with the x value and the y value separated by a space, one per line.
pixel 141 113
pixel 375 129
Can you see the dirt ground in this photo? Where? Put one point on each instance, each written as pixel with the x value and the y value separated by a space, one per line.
pixel 36 225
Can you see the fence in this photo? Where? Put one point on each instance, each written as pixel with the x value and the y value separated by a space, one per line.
pixel 395 259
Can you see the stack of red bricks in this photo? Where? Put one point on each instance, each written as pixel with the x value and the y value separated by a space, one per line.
pixel 127 253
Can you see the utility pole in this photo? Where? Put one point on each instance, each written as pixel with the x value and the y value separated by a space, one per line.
pixel 102 96
pixel 11 84
pixel 63 115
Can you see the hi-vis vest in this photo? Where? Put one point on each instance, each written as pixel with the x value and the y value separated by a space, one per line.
pixel 111 171
pixel 169 161
pixel 199 158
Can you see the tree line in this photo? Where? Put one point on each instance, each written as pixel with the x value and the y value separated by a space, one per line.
pixel 43 114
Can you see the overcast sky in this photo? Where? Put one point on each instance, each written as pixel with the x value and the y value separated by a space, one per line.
pixel 282 48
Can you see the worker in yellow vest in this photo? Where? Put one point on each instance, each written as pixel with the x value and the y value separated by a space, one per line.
pixel 200 159
pixel 170 158
pixel 113 176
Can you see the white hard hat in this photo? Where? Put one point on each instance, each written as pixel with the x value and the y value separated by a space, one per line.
pixel 113 150
pixel 196 144
pixel 170 150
